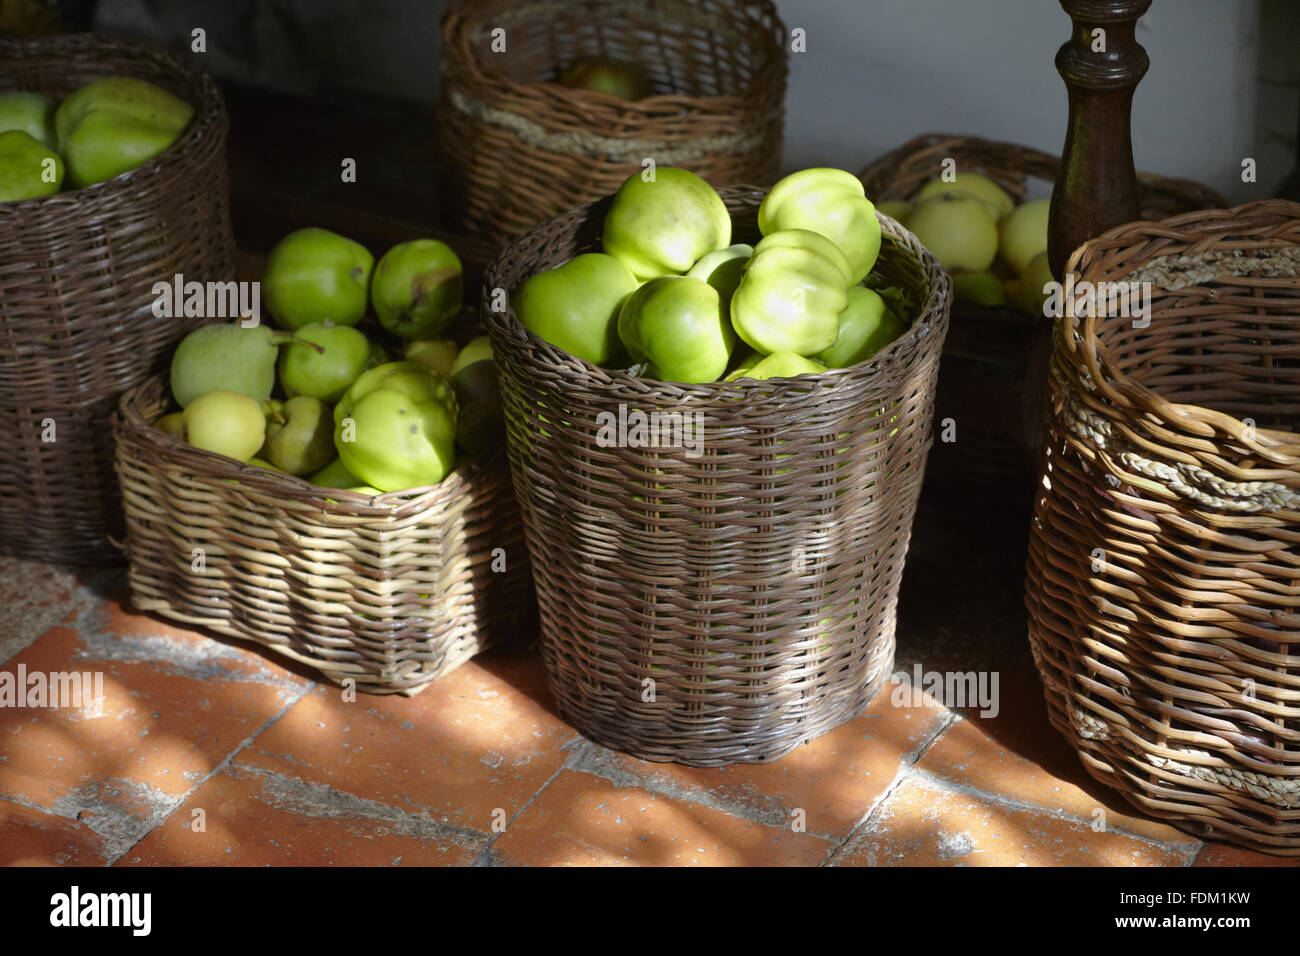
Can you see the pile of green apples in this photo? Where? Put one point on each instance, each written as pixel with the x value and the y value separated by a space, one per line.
pixel 104 129
pixel 317 397
pixel 670 297
pixel 995 250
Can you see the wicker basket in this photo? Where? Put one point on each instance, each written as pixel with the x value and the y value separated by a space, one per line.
pixel 391 591
pixel 522 147
pixel 1164 572
pixel 995 359
pixel 725 599
pixel 77 271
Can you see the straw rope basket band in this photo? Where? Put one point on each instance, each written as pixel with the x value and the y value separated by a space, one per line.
pixel 524 147
pixel 390 592
pixel 1164 573
pixel 995 363
pixel 77 271
pixel 725 591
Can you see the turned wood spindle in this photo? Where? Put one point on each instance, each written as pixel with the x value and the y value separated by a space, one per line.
pixel 1097 187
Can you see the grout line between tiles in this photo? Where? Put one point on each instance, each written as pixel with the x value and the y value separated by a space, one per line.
pixel 906 767
pixel 225 762
pixel 484 857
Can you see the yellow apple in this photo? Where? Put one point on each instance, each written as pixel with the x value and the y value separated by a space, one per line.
pixel 993 196
pixel 1028 294
pixel 1023 233
pixel 957 230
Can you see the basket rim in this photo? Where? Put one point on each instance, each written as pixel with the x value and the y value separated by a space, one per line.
pixel 1084 349
pixel 459 18
pixel 931 321
pixel 129 423
pixel 209 117
pixel 926 142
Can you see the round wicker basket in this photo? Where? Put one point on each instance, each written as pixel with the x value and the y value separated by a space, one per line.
pixel 390 592
pixel 1164 571
pixel 725 595
pixel 995 359
pixel 523 147
pixel 77 271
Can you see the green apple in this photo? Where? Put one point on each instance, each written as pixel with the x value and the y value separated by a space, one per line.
pixel 396 427
pixel 994 197
pixel 173 424
pixel 680 326
pixel 575 306
pixel 325 372
pixel 114 124
pixel 436 354
pixel 981 288
pixel 865 327
pixel 480 421
pixel 378 355
pixel 334 475
pixel 225 356
pixel 791 294
pixel 417 288
pixel 896 209
pixel 664 226
pixel 782 365
pixel 263 463
pixel 28 168
pixel 740 369
pixel 225 422
pixel 304 442
pixel 831 203
pixel 722 268
pixel 313 275
pixel 1023 233
pixel 627 81
pixel 957 230
pixel 32 113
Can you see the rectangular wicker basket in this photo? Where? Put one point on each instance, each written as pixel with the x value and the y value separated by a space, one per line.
pixel 725 600
pixel 390 592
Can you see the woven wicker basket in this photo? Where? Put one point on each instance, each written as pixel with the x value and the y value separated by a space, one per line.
pixel 391 592
pixel 77 271
pixel 1164 572
pixel 725 599
pixel 995 359
pixel 523 147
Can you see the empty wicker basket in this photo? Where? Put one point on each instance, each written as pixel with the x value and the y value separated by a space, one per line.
pixel 728 595
pixel 522 147
pixel 77 271
pixel 1164 572
pixel 389 592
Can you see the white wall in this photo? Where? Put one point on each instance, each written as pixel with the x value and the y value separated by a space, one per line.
pixel 878 72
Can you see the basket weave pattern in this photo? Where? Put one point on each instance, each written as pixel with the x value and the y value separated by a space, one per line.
pixel 389 592
pixel 995 364
pixel 524 147
pixel 727 602
pixel 1164 572
pixel 77 271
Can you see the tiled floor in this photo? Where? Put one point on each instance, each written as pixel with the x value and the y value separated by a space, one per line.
pixel 208 752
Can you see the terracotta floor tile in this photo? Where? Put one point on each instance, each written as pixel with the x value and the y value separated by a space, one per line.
pixel 31 837
pixel 176 705
pixel 257 819
pixel 470 744
pixel 1220 854
pixel 584 820
pixel 924 826
pixel 34 597
pixel 834 779
pixel 968 756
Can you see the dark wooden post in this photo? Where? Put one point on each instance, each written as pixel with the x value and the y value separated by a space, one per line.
pixel 1097 187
